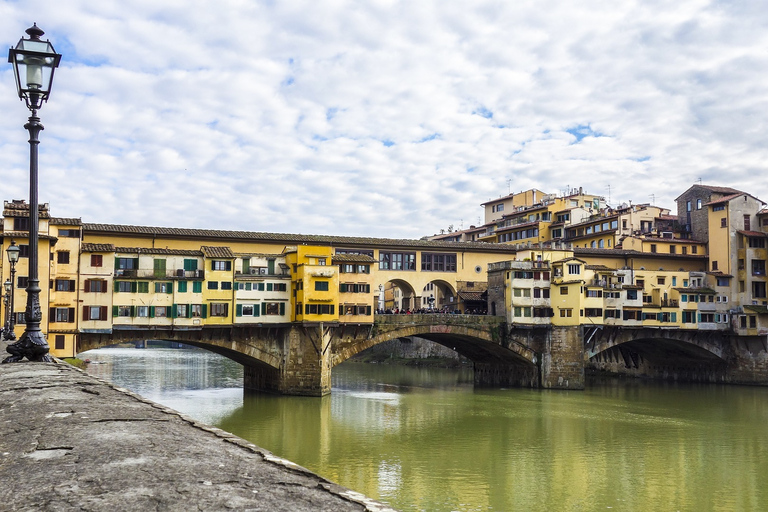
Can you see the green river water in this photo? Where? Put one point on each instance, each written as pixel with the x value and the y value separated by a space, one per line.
pixel 426 439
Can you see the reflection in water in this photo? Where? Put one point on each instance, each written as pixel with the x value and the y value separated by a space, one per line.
pixel 425 439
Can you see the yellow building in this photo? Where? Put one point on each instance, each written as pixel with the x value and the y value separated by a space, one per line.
pixel 358 297
pixel 314 283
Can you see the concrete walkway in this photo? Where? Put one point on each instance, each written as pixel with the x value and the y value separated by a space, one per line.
pixel 69 441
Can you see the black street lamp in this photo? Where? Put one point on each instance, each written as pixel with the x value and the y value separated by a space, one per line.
pixel 6 300
pixel 34 62
pixel 13 256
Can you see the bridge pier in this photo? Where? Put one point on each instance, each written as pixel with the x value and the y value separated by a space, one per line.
pixel 562 361
pixel 306 366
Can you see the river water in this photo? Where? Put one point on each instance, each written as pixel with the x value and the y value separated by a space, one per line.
pixel 426 439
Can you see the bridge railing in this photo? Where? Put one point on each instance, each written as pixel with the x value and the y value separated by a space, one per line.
pixel 437 319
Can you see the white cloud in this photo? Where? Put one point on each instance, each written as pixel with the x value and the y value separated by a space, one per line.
pixel 391 119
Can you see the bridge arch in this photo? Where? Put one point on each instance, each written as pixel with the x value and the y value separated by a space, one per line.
pixel 256 347
pixel 667 353
pixel 479 338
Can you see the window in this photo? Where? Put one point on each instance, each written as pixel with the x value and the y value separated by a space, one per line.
pixel 126 263
pixel 213 285
pixel 757 243
pixel 247 310
pixel 163 287
pixel 221 265
pixel 593 312
pixel 181 310
pixel 714 265
pixel 594 293
pixel 397 260
pixel 541 293
pixel 219 309
pixel 661 280
pixel 226 285
pixel 60 343
pixel 574 268
pixel 62 315
pixel 196 310
pixel 280 287
pixel 125 286
pixel 94 312
pixel 653 247
pixel 182 286
pixel 566 313
pixel 95 286
pixel 758 290
pixel 321 286
pixel 65 285
pixel 698 204
pixel 62 257
pixel 438 262
pixel 319 309
pixel 321 261
pixel 124 311
pixel 746 223
pixel 631 294
pixel 276 308
pixel 694 249
pixel 142 287
pixel 672 249
pixel 97 260
pixel 142 311
pixel 22 282
pixel 718 208
pixel 563 290
pixel 687 206
pixel 197 287
pixel 190 265
pixel 758 267
pixel 161 311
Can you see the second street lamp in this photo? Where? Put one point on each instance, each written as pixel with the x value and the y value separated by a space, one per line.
pixel 13 251
pixel 7 300
pixel 34 62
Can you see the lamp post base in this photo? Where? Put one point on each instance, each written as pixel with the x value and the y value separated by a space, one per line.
pixel 32 346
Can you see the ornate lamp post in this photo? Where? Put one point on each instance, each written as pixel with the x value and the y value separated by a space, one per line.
pixel 6 299
pixel 34 62
pixel 13 256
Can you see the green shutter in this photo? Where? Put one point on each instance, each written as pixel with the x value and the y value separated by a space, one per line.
pixel 205 310
pixel 263 308
pixel 117 262
pixel 114 310
pixel 197 287
pixel 269 287
pixel 282 308
pixel 169 288
pixel 182 286
pixel 174 311
pixel 256 310
pixel 239 310
pixel 229 266
pixel 133 311
pixel 151 311
pixel 248 286
pixel 261 287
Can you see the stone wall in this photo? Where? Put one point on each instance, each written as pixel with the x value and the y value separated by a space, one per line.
pixel 562 365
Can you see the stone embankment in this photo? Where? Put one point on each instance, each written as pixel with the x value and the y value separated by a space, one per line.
pixel 69 441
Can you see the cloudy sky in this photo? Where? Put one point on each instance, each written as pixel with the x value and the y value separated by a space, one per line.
pixel 383 118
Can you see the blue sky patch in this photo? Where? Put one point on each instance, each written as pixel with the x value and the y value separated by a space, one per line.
pixel 581 131
pixel 483 112
pixel 428 138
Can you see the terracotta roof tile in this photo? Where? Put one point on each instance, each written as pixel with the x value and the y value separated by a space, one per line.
pixel 150 250
pixel 353 258
pixel 217 252
pixel 97 248
pixel 292 239
pixel 60 221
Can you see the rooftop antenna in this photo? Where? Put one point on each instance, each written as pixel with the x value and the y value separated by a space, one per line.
pixel 699 181
pixel 609 193
pixel 509 185
pixel 653 199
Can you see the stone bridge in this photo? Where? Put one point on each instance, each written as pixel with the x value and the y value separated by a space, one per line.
pixel 298 358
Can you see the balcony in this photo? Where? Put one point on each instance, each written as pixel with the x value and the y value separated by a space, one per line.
pixel 133 273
